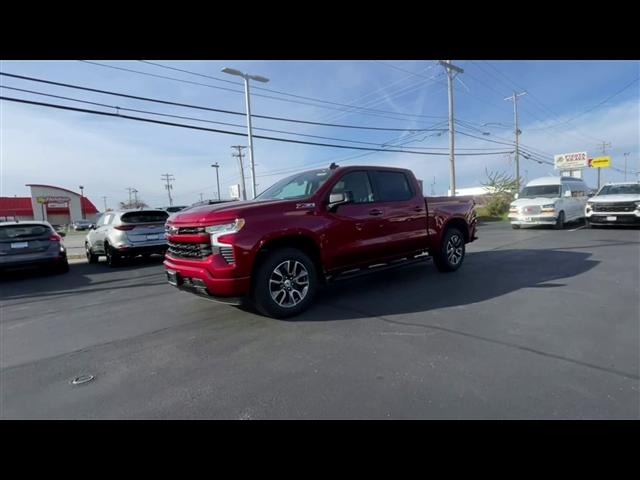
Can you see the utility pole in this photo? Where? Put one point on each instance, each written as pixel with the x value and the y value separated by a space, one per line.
pixel 201 197
pixel 433 187
pixel 604 147
pixel 517 132
pixel 131 189
pixel 239 155
pixel 625 164
pixel 104 199
pixel 135 196
pixel 217 167
pixel 167 177
pixel 451 72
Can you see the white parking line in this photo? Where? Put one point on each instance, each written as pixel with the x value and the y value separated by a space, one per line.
pixel 576 229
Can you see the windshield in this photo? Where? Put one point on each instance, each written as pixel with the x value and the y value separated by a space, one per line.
pixel 301 185
pixel 632 189
pixel 549 191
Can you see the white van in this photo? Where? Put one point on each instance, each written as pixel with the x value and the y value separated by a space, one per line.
pixel 550 201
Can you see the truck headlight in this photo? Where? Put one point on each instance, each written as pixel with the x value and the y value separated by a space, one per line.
pixel 225 228
pixel 638 205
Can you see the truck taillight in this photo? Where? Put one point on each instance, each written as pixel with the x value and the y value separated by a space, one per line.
pixel 124 227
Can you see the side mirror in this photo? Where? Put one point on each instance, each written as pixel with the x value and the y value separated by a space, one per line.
pixel 590 194
pixel 92 227
pixel 567 194
pixel 337 199
pixel 62 234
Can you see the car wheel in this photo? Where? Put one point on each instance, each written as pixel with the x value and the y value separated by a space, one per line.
pixel 515 227
pixel 560 222
pixel 451 253
pixel 284 283
pixel 91 257
pixel 113 258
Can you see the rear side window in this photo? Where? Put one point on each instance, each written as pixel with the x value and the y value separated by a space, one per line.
pixel 145 217
pixel 23 231
pixel 392 186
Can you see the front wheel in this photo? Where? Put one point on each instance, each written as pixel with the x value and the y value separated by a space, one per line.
pixel 515 226
pixel 451 253
pixel 91 257
pixel 284 283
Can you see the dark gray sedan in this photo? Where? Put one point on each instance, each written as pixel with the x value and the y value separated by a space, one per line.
pixel 31 244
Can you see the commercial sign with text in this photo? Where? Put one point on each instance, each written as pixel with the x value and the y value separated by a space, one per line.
pixel 570 161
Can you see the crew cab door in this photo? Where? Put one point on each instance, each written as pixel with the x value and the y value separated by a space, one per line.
pixel 404 216
pixel 354 236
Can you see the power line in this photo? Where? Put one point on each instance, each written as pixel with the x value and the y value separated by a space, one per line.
pixel 200 107
pixel 193 127
pixel 261 95
pixel 115 107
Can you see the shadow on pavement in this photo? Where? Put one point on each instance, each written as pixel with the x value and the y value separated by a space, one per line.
pixel 39 283
pixel 419 288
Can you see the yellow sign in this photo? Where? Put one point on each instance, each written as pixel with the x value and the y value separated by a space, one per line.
pixel 41 200
pixel 599 162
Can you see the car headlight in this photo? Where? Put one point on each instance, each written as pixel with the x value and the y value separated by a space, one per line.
pixel 216 230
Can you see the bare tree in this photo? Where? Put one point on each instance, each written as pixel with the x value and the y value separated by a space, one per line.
pixel 502 189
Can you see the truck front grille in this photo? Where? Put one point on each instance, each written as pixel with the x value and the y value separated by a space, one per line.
pixel 189 250
pixel 614 207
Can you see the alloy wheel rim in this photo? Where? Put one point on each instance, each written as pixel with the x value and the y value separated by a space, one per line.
pixel 454 249
pixel 289 283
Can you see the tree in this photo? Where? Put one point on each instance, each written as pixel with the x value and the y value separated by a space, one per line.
pixel 502 190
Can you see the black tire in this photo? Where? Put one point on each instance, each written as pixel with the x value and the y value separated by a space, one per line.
pixel 559 225
pixel 266 295
pixel 451 252
pixel 515 227
pixel 113 257
pixel 91 257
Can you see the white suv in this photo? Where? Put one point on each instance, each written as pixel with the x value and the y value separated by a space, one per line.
pixel 614 204
pixel 549 201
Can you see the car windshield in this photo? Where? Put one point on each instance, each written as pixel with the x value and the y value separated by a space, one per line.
pixel 22 231
pixel 629 189
pixel 297 186
pixel 145 217
pixel 549 191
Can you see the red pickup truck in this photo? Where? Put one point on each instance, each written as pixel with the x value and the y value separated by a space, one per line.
pixel 311 228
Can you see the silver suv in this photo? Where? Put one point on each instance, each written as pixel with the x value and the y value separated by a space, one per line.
pixel 29 243
pixel 126 233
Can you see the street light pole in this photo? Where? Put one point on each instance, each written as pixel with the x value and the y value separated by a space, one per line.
pixel 625 165
pixel 216 166
pixel 82 201
pixel 246 77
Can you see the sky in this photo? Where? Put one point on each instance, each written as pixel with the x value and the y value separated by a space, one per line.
pixel 570 106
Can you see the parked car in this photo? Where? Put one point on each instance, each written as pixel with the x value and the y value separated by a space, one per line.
pixel 551 201
pixel 31 243
pixel 317 226
pixel 126 234
pixel 614 204
pixel 81 225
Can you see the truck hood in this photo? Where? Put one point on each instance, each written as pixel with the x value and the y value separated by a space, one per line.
pixel 224 211
pixel 537 201
pixel 629 197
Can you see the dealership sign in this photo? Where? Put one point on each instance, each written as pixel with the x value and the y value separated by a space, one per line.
pixel 571 161
pixel 54 202
pixel 599 162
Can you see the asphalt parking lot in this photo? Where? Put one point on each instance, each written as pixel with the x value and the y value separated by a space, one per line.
pixel 537 324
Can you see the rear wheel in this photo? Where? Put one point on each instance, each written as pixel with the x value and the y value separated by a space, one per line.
pixel 91 257
pixel 559 222
pixel 451 253
pixel 514 226
pixel 284 283
pixel 113 257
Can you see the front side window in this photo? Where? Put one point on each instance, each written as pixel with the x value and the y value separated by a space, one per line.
pixel 358 184
pixel 393 186
pixel 297 186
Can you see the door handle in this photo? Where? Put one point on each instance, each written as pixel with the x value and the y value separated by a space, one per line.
pixel 375 211
pixel 417 209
